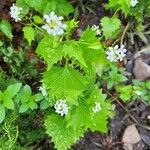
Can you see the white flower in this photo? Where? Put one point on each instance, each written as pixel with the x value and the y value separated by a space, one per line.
pixel 121 53
pixel 42 89
pixel 97 107
pixel 54 25
pixel 61 107
pixel 96 28
pixel 15 12
pixel 133 3
pixel 116 53
pixel 111 53
pixel 5 59
pixel 138 92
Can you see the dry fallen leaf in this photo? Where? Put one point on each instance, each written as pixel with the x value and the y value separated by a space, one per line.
pixel 130 137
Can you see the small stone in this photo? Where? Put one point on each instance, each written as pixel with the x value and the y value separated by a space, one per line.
pixel 130 137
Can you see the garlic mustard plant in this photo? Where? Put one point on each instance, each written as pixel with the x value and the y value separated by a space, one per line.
pixel 54 25
pixel 15 12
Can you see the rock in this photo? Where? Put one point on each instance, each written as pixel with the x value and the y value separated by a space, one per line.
pixel 130 137
pixel 141 69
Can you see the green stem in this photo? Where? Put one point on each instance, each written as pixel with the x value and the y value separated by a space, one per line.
pixel 124 32
pixel 115 13
pixel 40 29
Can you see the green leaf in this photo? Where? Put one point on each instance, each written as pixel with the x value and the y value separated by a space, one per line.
pixel 64 82
pixel 78 117
pixel 72 49
pixel 8 103
pixel 12 90
pixel 25 94
pixel 44 104
pixel 29 33
pixel 36 4
pixel 50 49
pixel 62 136
pixel 2 113
pixel 1 43
pixel 62 7
pixel 90 40
pixel 37 19
pixel 92 52
pixel 125 92
pixel 6 28
pixel 38 97
pixel 98 121
pixel 32 105
pixel 124 5
pixel 110 27
pixel 23 108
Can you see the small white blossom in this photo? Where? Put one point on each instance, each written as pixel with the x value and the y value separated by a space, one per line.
pixel 111 53
pixel 5 59
pixel 42 89
pixel 138 92
pixel 54 25
pixel 97 107
pixel 96 28
pixel 61 107
pixel 15 12
pixel 133 3
pixel 116 53
pixel 121 53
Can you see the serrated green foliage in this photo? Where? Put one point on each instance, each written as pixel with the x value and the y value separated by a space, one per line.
pixel 29 33
pixel 125 92
pixel 93 52
pixel 64 82
pixel 110 26
pixel 50 49
pixel 73 50
pixel 123 5
pixel 83 116
pixel 62 7
pixel 5 27
pixel 62 136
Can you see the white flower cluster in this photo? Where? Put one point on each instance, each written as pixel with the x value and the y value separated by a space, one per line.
pixel 116 53
pixel 133 3
pixel 61 107
pixel 54 25
pixel 97 107
pixel 5 59
pixel 96 28
pixel 42 89
pixel 15 12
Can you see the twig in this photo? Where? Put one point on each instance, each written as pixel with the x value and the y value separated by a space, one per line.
pixel 124 32
pixel 121 106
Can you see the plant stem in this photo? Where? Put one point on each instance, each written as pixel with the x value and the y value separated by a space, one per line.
pixel 124 32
